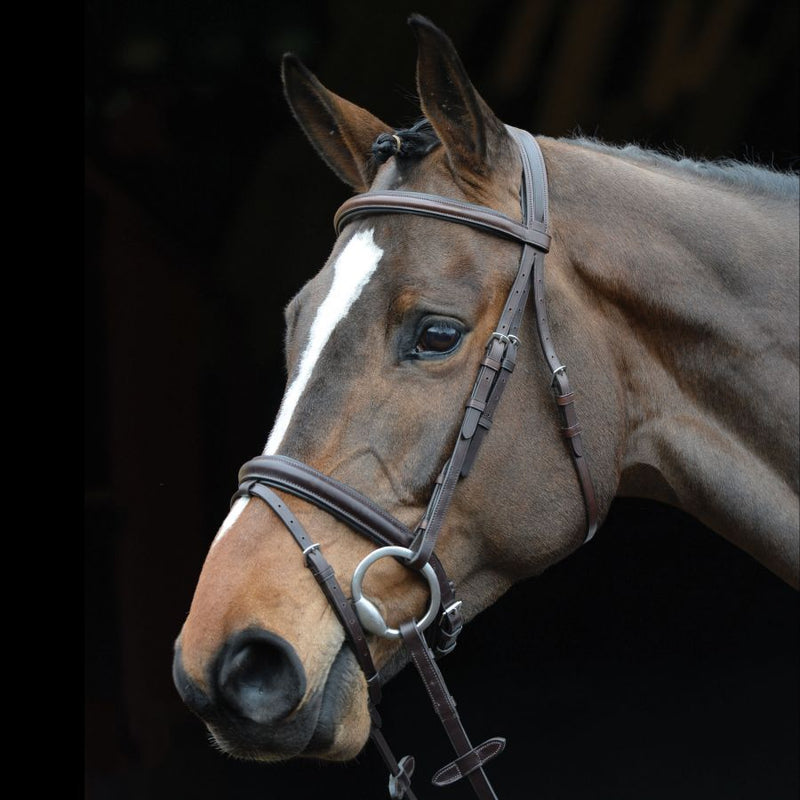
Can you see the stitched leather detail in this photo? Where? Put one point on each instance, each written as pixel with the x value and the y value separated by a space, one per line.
pixel 392 201
pixel 469 762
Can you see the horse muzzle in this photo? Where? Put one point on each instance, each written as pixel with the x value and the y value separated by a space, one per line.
pixel 257 707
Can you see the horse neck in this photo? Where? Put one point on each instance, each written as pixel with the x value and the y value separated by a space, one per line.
pixel 685 291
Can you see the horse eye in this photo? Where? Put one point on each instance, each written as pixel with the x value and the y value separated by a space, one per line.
pixel 441 337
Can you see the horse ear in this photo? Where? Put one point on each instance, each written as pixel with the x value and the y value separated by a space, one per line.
pixel 472 135
pixel 341 132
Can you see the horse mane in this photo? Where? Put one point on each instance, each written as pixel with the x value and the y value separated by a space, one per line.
pixel 739 175
pixel 418 140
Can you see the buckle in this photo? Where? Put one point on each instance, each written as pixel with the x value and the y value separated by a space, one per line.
pixel 560 368
pixel 400 783
pixel 453 607
pixel 311 547
pixel 450 626
pixel 506 339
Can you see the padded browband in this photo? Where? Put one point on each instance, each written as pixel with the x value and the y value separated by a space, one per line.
pixel 394 201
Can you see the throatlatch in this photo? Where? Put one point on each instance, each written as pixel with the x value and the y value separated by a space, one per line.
pixel 436 633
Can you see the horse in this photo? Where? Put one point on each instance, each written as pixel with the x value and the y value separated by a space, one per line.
pixel 672 298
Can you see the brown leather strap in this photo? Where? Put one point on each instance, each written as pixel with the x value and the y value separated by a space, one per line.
pixel 506 367
pixel 428 531
pixel 338 499
pixel 395 201
pixel 470 759
pixel 463 765
pixel 571 429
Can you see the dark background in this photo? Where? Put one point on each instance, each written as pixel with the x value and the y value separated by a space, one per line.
pixel 656 662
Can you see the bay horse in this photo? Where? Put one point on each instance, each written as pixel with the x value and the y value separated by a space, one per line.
pixel 672 298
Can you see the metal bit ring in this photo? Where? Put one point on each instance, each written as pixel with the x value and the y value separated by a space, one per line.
pixel 368 615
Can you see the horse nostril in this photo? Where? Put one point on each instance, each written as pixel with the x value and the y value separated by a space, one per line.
pixel 260 676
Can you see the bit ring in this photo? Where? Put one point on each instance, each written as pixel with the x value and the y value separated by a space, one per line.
pixel 368 615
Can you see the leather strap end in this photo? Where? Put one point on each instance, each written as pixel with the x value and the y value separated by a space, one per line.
pixel 471 419
pixel 469 762
pixel 509 362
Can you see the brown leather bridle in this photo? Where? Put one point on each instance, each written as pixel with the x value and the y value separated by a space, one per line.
pixel 416 549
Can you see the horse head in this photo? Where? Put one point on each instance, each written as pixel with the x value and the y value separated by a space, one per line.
pixel 382 350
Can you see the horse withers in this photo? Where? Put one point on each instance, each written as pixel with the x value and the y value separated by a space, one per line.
pixel 672 291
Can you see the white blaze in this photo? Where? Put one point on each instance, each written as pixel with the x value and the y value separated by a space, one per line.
pixel 351 273
pixel 233 515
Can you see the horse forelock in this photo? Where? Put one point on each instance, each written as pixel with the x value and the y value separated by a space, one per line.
pixel 412 158
pixel 413 142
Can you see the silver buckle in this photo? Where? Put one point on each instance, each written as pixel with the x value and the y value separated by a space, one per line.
pixel 500 337
pixel 452 607
pixel 505 339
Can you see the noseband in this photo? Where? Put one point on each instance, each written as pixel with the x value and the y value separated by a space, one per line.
pixel 443 621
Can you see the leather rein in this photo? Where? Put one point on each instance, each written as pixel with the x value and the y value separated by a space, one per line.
pixel 443 621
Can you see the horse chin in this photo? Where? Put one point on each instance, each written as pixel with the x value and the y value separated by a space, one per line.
pixel 343 722
pixel 332 724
